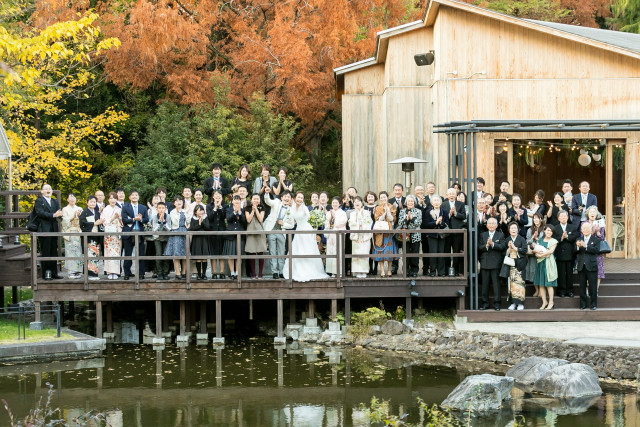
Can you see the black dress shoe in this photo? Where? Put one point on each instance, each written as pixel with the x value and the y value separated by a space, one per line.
pixel 570 294
pixel 414 274
pixel 593 307
pixel 484 307
pixel 442 275
pixel 583 307
pixel 432 274
pixel 126 277
pixel 57 277
pixel 496 307
pixel 275 275
pixel 561 295
pixel 155 276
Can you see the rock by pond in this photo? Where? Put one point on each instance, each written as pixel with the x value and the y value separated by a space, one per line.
pixel 531 369
pixel 571 380
pixel 481 393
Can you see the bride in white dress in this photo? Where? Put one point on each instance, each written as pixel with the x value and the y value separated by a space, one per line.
pixel 304 269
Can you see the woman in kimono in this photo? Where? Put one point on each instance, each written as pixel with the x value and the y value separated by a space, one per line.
pixel 516 250
pixel 112 216
pixel 336 220
pixel 360 219
pixel 72 244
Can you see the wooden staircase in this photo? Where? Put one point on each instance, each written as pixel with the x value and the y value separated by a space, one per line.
pixel 15 263
pixel 618 300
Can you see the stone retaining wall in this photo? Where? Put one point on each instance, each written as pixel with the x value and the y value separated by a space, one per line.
pixel 443 341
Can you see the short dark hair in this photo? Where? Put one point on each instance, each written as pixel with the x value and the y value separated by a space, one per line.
pixel 91 197
pixel 397 184
pixel 119 189
pixel 366 195
pixel 112 194
pixel 215 166
pixel 198 189
pixel 336 198
pixel 501 204
pixel 198 208
pixel 325 193
pixel 513 223
pixel 314 192
pixel 353 188
pixel 163 203
pixel 236 198
pixel 285 192
pixel 133 191
pixel 503 181
pixel 178 197
pixel 383 192
pixel 161 190
pixel 480 180
pixel 283 168
pixel 71 193
pixel 539 193
pixel 518 195
pixel 567 181
pixel 266 167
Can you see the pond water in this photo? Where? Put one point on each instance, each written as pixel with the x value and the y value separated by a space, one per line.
pixel 250 382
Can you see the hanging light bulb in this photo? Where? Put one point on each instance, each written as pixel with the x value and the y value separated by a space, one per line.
pixel 505 147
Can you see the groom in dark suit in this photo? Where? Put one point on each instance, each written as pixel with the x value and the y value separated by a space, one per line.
pixel 491 249
pixel 399 201
pixel 134 217
pixel 48 211
pixel 581 202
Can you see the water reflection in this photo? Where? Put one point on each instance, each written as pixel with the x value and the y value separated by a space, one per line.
pixel 252 382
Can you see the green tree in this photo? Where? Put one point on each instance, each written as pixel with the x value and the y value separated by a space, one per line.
pixel 626 15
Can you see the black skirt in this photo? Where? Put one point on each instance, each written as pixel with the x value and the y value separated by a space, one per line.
pixel 200 245
pixel 216 244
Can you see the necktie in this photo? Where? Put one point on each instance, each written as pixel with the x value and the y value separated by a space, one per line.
pixel 135 213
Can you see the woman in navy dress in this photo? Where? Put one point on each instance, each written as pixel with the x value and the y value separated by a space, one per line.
pixel 217 216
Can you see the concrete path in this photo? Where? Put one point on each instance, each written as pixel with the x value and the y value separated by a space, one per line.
pixel 619 334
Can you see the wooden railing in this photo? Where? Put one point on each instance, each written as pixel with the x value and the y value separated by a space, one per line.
pixel 11 214
pixel 339 257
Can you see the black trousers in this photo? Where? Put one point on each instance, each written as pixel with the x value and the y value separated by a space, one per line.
pixel 436 245
pixel 49 247
pixel 490 277
pixel 425 250
pixel 413 264
pixel 127 245
pixel 453 244
pixel 590 277
pixel 565 277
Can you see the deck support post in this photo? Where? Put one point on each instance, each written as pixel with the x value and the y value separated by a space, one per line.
pixel 334 310
pixel 158 319
pixel 292 311
pixel 165 316
pixel 98 319
pixel 408 308
pixel 312 309
pixel 183 318
pixel 37 311
pixel 347 311
pixel 203 317
pixel 280 339
pixel 109 316
pixel 219 339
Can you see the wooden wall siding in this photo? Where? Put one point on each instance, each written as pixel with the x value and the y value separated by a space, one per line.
pixel 368 80
pixel 512 52
pixel 400 66
pixel 362 141
pixel 632 198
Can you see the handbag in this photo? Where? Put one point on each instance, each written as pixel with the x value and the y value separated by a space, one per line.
pixel 509 261
pixel 34 222
pixel 604 247
pixel 381 225
pixel 402 237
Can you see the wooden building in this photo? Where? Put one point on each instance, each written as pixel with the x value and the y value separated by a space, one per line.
pixel 490 66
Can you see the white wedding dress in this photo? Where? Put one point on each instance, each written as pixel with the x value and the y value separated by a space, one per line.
pixel 304 269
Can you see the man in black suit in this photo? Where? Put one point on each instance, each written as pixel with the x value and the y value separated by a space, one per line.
pixel 479 193
pixel 134 217
pixel 491 248
pixel 582 201
pixel 587 264
pixel 455 210
pixel 48 211
pixel 399 201
pixel 120 194
pixel 216 182
pixel 566 235
pixel 481 216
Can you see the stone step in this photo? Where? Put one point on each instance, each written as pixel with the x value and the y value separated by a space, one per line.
pixel 555 315
pixel 604 301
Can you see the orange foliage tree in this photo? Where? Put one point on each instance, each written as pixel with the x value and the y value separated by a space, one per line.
pixel 285 50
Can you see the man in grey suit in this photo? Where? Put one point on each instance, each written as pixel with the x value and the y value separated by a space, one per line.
pixel 276 221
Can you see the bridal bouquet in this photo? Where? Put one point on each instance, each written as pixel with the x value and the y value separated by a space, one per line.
pixel 317 218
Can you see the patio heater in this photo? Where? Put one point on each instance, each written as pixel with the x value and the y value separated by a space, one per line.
pixel 408 166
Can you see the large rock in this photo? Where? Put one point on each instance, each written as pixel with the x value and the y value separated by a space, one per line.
pixel 568 381
pixel 531 369
pixel 481 393
pixel 392 327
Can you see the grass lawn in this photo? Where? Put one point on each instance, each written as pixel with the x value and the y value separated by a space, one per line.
pixel 9 334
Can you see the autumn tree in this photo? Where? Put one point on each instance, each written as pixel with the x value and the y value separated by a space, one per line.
pixel 41 70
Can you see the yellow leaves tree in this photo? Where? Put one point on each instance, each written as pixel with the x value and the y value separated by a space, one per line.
pixel 40 72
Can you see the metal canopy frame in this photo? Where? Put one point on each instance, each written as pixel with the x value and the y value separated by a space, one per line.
pixel 462 166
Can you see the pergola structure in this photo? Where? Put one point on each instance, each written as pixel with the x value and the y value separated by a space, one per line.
pixel 463 155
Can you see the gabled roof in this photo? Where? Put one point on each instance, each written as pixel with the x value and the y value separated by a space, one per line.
pixel 628 41
pixel 627 44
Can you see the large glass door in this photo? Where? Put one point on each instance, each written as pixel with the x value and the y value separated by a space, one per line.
pixel 615 201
